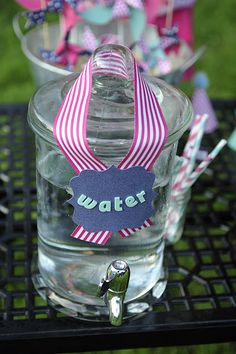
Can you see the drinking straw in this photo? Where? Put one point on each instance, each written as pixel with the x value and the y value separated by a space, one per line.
pixel 194 141
pixel 190 150
pixel 61 26
pixel 169 14
pixel 46 42
pixel 173 215
pixel 177 165
pixel 120 31
pixel 203 165
pixel 171 225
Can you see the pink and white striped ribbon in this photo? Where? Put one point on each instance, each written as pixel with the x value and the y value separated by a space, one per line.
pixel 113 64
pixel 150 130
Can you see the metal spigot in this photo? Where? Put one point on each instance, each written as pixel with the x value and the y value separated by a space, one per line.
pixel 113 287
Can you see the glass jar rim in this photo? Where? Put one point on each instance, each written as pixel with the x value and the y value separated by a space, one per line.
pixel 38 125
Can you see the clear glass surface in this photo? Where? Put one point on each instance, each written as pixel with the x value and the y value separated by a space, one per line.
pixel 176 217
pixel 74 268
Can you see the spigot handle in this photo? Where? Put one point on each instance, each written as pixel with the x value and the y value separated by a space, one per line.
pixel 114 287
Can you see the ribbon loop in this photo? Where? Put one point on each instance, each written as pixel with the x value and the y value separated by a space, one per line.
pixel 150 129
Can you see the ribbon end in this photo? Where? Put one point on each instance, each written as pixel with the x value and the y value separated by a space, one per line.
pixel 129 231
pixel 99 238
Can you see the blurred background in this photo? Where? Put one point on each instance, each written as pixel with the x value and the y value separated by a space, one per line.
pixel 214 25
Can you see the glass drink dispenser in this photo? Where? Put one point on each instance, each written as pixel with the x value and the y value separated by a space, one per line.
pixel 101 208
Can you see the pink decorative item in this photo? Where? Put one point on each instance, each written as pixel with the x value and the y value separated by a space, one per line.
pixel 70 18
pixel 151 8
pixel 32 5
pixel 90 42
pixel 121 7
pixel 109 39
pixel 182 18
pixel 68 54
pixel 201 102
pixel 163 54
pixel 165 66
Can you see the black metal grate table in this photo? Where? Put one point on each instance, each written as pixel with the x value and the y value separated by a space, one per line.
pixel 199 304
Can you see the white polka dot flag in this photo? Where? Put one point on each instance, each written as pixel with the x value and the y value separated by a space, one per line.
pixel 121 7
pixel 150 130
pixel 89 39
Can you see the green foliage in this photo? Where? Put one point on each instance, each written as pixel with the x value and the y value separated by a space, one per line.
pixel 214 25
pixel 16 84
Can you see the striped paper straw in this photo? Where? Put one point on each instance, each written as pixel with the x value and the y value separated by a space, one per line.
pixel 190 151
pixel 194 141
pixel 175 173
pixel 179 160
pixel 203 165
pixel 171 225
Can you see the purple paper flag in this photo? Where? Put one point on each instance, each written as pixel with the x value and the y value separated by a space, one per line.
pixel 201 102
